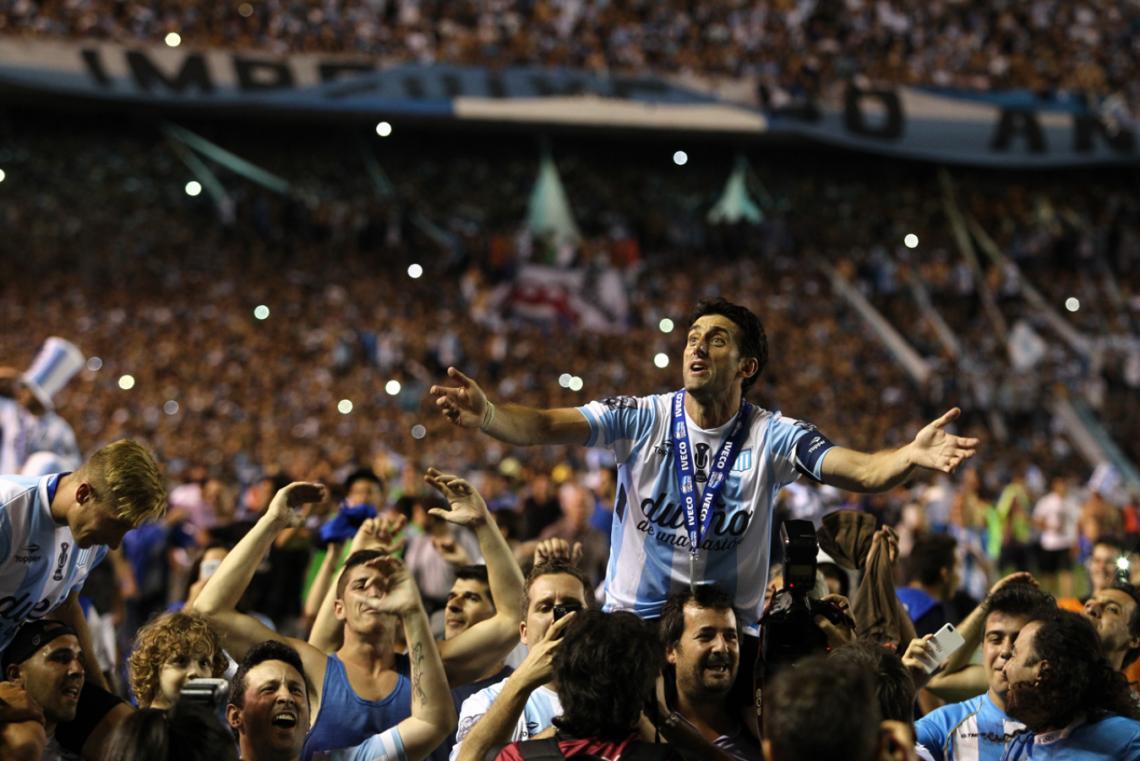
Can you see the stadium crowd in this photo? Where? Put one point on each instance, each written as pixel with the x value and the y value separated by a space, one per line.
pixel 1056 49
pixel 372 607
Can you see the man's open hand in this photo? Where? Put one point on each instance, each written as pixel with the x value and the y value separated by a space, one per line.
pixel 463 404
pixel 936 449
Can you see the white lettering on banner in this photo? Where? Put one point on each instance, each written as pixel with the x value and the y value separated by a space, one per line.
pixel 1014 129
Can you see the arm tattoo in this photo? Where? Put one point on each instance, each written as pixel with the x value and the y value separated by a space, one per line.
pixel 417 662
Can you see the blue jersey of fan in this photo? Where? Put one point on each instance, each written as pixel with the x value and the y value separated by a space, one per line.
pixel 39 562
pixel 649 543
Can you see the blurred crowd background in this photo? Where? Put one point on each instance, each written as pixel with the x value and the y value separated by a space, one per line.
pixel 282 335
pixel 1062 50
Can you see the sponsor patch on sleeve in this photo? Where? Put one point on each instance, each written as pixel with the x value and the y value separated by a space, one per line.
pixel 810 449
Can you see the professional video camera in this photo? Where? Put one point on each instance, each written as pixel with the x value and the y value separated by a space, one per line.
pixel 211 693
pixel 788 630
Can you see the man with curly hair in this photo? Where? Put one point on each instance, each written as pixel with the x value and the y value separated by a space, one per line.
pixel 169 651
pixel 1074 703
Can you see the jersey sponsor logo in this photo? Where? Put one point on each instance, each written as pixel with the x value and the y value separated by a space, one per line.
pixel 743 462
pixel 816 443
pixel 664 447
pixel 620 402
pixel 683 453
pixel 18 609
pixel 679 431
pixel 63 548
pixel 665 522
pixel 29 554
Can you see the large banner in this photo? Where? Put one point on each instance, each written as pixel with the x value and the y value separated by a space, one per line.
pixel 1011 129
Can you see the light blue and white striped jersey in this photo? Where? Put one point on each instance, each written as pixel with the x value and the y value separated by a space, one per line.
pixel 39 562
pixel 538 713
pixel 649 544
pixel 1113 738
pixel 973 730
pixel 386 746
pixel 47 438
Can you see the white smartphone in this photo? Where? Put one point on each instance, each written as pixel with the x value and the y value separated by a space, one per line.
pixel 944 642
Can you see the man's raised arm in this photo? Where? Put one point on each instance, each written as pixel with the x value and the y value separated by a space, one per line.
pixel 483 727
pixel 932 448
pixel 433 711
pixel 467 406
pixel 472 652
pixel 219 598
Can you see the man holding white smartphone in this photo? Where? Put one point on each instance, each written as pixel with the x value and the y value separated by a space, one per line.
pixel 978 729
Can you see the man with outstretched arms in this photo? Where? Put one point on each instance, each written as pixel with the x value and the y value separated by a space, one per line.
pixel 361 673
pixel 700 468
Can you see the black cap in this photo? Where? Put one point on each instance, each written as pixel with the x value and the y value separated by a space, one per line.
pixel 30 638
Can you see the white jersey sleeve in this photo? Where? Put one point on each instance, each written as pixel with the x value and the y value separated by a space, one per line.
pixel 618 422
pixel 538 714
pixel 386 746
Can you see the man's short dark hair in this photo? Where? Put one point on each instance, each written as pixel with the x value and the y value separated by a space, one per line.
pixel 1078 678
pixel 605 670
pixel 894 685
pixel 360 557
pixel 931 554
pixel 1133 620
pixel 820 709
pixel 1020 598
pixel 551 568
pixel 1108 540
pixel 363 474
pixel 188 732
pixel 269 650
pixel 475 573
pixel 753 340
pixel 672 624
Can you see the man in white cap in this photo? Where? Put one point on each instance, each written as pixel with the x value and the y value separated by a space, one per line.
pixel 34 439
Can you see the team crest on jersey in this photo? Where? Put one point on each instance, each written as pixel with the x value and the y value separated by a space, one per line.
pixel 743 462
pixel 620 402
pixel 63 547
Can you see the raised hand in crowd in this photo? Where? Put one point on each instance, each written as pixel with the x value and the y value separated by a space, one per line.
pixel 384 533
pixel 466 506
pixel 400 595
pixel 555 548
pixel 885 534
pixel 920 660
pixel 285 509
